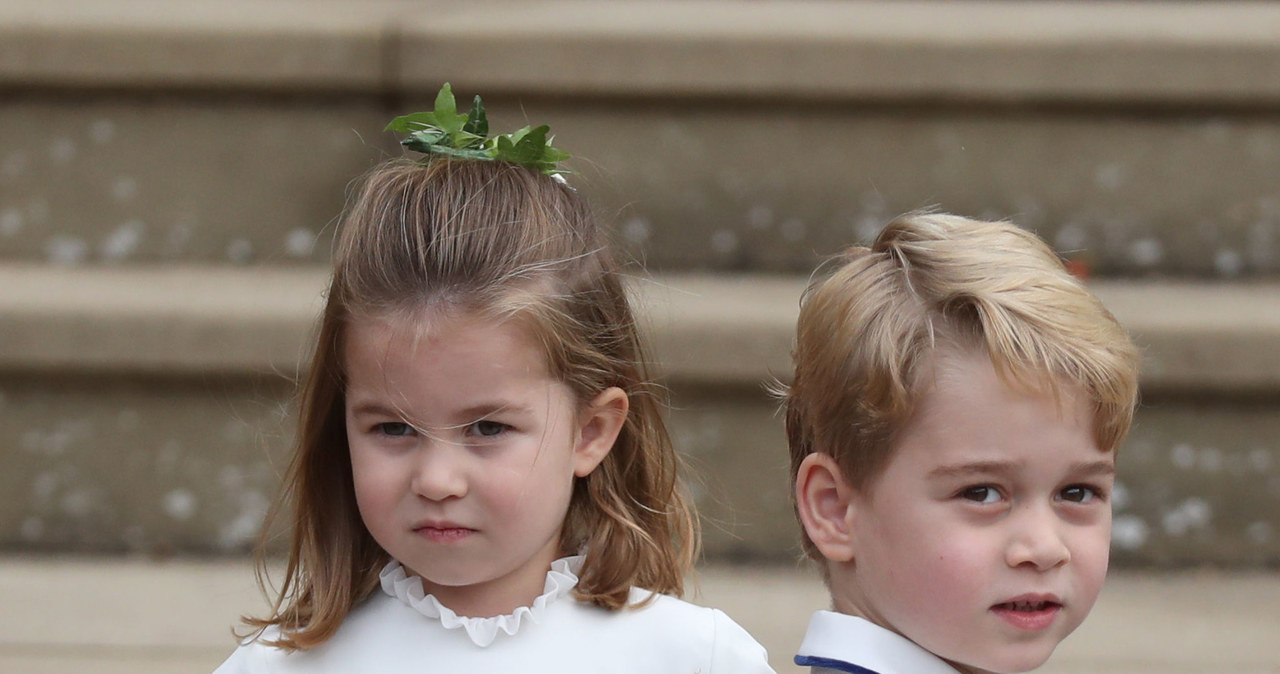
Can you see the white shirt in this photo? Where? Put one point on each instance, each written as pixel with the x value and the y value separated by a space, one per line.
pixel 403 630
pixel 836 643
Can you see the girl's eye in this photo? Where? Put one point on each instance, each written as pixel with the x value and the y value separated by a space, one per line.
pixel 488 429
pixel 395 429
pixel 1079 493
pixel 981 494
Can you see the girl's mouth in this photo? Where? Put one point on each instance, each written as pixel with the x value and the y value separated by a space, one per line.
pixel 446 534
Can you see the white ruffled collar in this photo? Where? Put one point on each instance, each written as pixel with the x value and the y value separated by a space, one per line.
pixel 561 580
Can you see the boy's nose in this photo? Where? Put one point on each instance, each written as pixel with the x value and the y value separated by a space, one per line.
pixel 438 474
pixel 1037 540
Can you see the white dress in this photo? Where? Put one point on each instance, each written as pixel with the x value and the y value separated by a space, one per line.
pixel 403 630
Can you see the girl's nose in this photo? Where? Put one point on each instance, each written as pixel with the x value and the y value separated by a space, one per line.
pixel 439 474
pixel 1037 540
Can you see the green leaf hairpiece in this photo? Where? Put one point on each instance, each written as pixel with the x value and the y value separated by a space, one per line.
pixel 445 131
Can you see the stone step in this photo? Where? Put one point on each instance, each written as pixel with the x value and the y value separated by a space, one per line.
pixel 756 137
pixel 135 616
pixel 149 409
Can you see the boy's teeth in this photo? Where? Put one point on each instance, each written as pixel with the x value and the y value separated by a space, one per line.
pixel 1026 606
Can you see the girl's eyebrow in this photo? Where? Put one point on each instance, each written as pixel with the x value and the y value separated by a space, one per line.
pixel 487 409
pixel 471 412
pixel 369 408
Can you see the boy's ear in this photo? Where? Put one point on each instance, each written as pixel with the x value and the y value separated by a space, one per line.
pixel 598 428
pixel 824 502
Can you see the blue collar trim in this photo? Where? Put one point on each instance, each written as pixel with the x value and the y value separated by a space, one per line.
pixel 831 663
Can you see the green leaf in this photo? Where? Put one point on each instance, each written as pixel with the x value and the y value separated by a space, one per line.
pixel 445 103
pixel 554 154
pixel 529 147
pixel 463 153
pixel 444 131
pixel 423 141
pixel 477 120
pixel 412 122
pixel 519 134
pixel 504 146
pixel 465 139
pixel 447 117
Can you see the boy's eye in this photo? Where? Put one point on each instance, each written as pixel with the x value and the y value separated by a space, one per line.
pixel 395 429
pixel 488 429
pixel 1079 493
pixel 981 494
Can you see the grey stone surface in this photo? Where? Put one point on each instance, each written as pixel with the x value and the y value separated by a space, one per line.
pixel 779 186
pixel 153 466
pixel 111 181
pixel 147 409
pixel 323 45
pixel 925 51
pixel 759 136
pixel 1199 480
pixel 1199 483
pixel 174 321
pixel 149 179
pixel 108 616
pixel 735 330
pixel 170 171
pixel 918 50
pixel 1201 338
pixel 158 465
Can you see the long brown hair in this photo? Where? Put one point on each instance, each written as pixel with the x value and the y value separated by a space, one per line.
pixel 500 240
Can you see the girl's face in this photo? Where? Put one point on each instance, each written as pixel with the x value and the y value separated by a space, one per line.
pixel 464 451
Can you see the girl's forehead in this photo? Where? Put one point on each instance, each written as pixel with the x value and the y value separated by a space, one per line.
pixel 393 338
pixel 424 323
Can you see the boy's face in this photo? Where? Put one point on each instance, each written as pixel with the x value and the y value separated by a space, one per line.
pixel 986 538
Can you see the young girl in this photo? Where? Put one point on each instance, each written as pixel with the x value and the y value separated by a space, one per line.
pixel 483 480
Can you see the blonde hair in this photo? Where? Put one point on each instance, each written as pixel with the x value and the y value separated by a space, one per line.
pixel 870 329
pixel 503 241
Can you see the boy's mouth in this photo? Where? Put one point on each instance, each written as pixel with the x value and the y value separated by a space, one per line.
pixel 1029 613
pixel 1027 606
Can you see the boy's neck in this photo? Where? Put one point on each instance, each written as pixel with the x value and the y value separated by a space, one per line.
pixel 848 599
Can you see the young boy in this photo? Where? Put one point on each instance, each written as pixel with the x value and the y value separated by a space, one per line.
pixel 957 404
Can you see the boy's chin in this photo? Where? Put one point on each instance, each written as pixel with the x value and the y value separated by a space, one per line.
pixel 1012 665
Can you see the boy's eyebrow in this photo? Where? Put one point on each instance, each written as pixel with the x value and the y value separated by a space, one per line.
pixel 974 468
pixel 1100 468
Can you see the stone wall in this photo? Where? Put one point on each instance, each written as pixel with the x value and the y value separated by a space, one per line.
pixel 170 174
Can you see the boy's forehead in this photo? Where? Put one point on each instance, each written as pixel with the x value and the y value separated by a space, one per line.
pixel 966 395
pixel 951 373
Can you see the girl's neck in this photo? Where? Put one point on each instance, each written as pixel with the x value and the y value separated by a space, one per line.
pixel 499 596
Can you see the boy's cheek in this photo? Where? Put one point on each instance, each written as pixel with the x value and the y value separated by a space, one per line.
pixel 1096 557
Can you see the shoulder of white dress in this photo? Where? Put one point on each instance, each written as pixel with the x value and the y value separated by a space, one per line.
pixel 729 647
pixel 646 600
pixel 256 639
pixel 248 656
pixel 736 650
pixel 674 618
